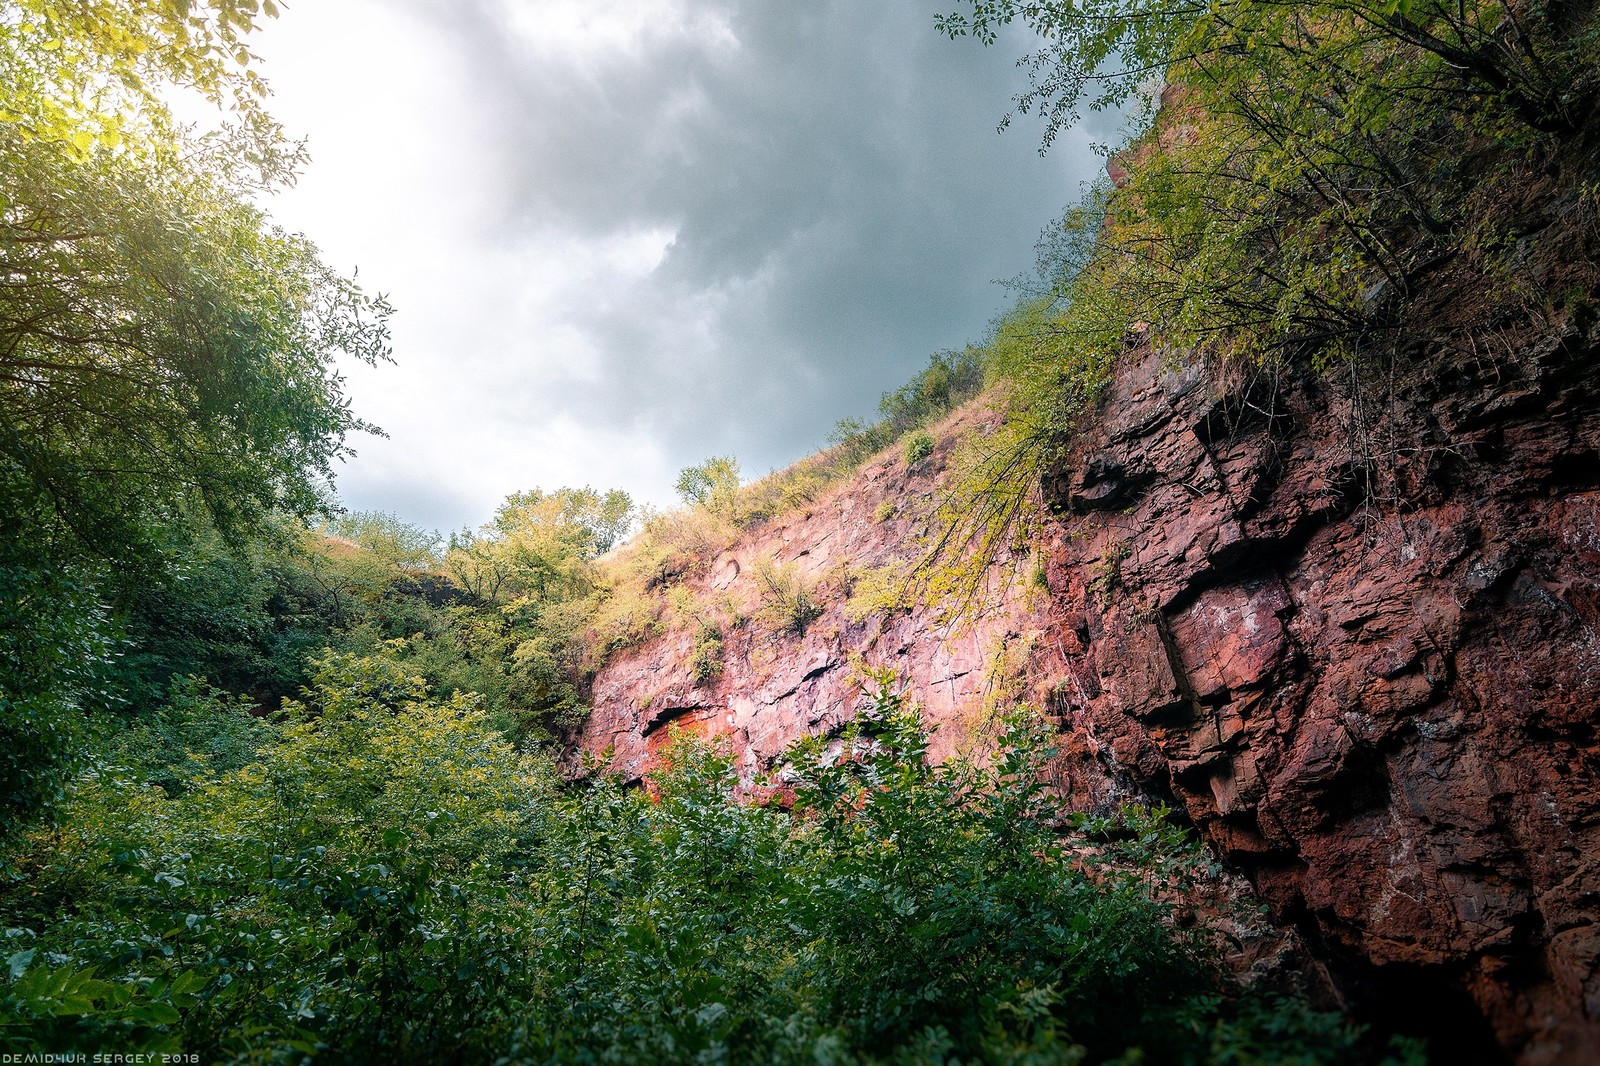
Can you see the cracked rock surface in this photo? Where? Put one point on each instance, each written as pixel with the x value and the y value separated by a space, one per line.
pixel 1351 628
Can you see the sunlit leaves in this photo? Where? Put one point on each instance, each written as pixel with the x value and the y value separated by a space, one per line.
pixel 166 354
pixel 99 65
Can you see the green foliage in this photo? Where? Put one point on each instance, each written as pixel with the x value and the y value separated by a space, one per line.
pixel 902 912
pixel 55 656
pixel 979 534
pixel 251 619
pixel 789 599
pixel 166 354
pixel 1106 575
pixel 919 446
pixel 795 486
pixel 713 487
pixel 879 589
pixel 1316 161
pixel 380 873
pixel 347 886
pixel 705 659
pixel 949 380
pixel 524 644
pixel 708 619
pixel 636 582
pixel 1104 51
pixel 1272 1030
pixel 390 546
pixel 86 76
pixel 1311 167
pixel 713 484
pixel 539 545
pixel 200 732
pixel 246 617
pixel 60 1007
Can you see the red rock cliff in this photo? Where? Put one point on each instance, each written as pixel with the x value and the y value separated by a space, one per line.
pixel 1350 624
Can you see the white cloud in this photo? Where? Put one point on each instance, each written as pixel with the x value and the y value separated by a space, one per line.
pixel 623 235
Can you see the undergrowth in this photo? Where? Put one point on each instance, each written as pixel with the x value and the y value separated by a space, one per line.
pixel 444 895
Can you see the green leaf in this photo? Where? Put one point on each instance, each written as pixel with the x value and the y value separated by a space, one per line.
pixel 157 1014
pixel 18 963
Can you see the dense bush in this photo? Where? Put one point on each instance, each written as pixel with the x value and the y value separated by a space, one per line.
pixel 378 873
pixel 918 447
pixel 344 886
pixel 790 601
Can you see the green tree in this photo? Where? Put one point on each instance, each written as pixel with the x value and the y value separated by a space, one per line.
pixel 540 544
pixel 166 354
pixel 713 484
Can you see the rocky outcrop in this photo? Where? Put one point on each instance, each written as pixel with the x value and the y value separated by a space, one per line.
pixel 1350 624
pixel 773 685
pixel 1361 648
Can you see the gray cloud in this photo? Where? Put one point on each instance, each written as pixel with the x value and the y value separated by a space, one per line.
pixel 837 200
pixel 838 166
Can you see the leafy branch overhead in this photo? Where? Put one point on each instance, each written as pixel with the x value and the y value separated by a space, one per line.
pixel 1530 58
pixel 1303 173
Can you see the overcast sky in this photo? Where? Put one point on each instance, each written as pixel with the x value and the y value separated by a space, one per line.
pixel 624 235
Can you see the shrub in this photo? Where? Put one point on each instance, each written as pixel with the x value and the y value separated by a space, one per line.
pixel 713 485
pixel 390 877
pixel 335 892
pixel 902 912
pixel 788 600
pixel 880 589
pixel 706 657
pixel 626 615
pixel 918 447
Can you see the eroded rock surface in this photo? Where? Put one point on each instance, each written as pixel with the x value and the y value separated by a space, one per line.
pixel 1352 628
pixel 776 686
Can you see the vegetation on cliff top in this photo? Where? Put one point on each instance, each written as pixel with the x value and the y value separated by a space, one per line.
pixel 1312 171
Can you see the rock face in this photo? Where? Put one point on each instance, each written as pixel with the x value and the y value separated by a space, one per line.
pixel 1351 627
pixel 1364 653
pixel 775 685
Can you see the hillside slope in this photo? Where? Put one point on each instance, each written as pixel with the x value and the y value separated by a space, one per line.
pixel 776 684
pixel 1348 623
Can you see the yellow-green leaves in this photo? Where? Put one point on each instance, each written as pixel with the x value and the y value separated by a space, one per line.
pixel 76 65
